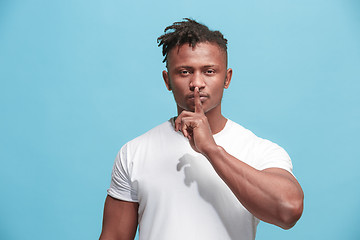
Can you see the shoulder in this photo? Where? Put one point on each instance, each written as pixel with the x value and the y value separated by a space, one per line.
pixel 243 133
pixel 244 138
pixel 152 136
pixel 266 153
pixel 141 144
pixel 237 133
pixel 236 128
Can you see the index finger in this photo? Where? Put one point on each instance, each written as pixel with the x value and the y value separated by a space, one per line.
pixel 197 101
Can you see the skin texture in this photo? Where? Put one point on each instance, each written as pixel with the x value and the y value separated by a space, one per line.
pixel 120 220
pixel 203 66
pixel 197 76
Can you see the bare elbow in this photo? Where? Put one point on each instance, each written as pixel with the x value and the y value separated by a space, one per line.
pixel 291 214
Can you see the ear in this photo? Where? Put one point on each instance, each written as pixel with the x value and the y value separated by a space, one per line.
pixel 166 79
pixel 228 78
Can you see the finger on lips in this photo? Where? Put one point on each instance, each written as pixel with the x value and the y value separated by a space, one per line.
pixel 180 124
pixel 197 100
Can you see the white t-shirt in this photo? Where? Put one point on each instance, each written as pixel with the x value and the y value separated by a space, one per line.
pixel 179 193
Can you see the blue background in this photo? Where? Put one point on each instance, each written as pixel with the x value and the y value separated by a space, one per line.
pixel 81 78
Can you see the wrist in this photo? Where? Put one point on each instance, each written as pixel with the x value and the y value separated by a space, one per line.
pixel 212 152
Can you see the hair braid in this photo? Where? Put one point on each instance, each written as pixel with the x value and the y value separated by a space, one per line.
pixel 191 32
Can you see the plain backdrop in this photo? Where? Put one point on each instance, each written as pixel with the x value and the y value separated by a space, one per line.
pixel 81 78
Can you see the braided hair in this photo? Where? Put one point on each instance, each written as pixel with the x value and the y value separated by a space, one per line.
pixel 191 32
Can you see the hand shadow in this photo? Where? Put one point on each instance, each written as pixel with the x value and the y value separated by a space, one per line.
pixel 214 191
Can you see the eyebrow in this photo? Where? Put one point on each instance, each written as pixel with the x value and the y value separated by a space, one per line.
pixel 213 65
pixel 184 67
pixel 206 66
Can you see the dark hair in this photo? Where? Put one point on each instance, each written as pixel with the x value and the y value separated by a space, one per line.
pixel 189 31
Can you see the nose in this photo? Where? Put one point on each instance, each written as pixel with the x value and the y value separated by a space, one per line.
pixel 197 80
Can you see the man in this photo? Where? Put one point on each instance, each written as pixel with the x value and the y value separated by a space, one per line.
pixel 199 175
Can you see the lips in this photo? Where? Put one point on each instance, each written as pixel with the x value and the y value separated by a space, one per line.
pixel 191 100
pixel 202 95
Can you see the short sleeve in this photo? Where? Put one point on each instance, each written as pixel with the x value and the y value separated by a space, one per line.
pixel 121 185
pixel 272 155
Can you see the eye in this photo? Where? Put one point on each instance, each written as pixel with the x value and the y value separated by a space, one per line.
pixel 210 71
pixel 184 72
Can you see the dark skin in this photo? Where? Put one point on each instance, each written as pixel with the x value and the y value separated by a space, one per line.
pixel 197 77
pixel 120 220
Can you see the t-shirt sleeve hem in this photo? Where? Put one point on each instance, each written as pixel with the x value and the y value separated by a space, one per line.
pixel 286 168
pixel 122 197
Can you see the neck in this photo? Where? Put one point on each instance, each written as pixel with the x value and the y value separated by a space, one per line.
pixel 216 120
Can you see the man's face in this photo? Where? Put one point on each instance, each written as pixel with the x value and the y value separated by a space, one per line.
pixel 203 66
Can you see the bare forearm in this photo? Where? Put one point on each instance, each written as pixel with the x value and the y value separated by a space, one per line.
pixel 272 195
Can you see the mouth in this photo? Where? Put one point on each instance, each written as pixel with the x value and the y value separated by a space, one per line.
pixel 202 96
pixel 191 99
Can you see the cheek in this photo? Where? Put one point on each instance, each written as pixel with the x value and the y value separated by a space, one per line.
pixel 218 89
pixel 177 90
pixel 217 84
pixel 179 85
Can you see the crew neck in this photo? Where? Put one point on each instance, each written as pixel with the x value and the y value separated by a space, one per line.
pixel 224 128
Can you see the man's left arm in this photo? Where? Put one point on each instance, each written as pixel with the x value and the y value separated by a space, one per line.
pixel 272 195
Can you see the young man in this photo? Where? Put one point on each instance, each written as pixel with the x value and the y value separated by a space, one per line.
pixel 199 175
